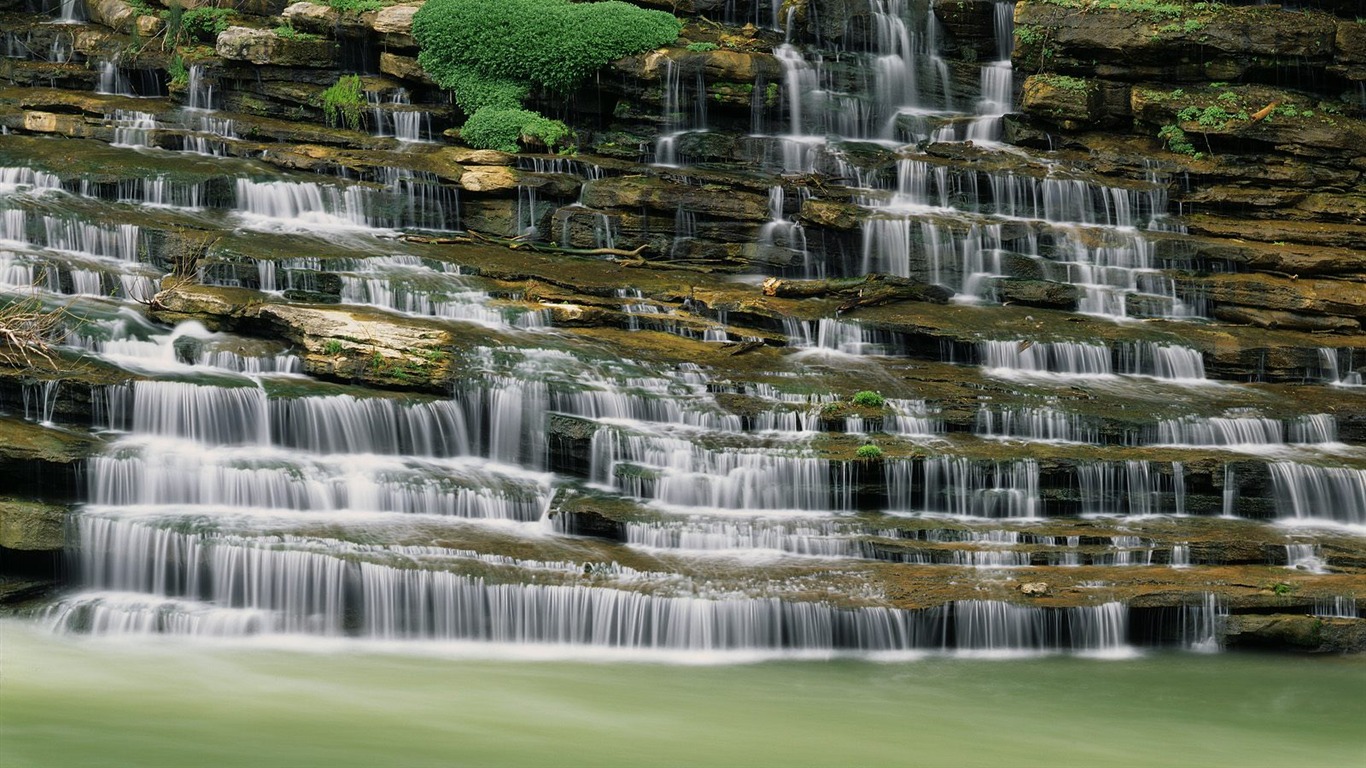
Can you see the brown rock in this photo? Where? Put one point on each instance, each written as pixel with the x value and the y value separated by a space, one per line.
pixel 263 46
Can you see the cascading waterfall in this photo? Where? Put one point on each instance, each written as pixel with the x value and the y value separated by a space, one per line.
pixel 1329 494
pixel 964 487
pixel 1133 488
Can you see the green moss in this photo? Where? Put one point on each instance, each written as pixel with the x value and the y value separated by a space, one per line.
pixel 356 6
pixel 701 47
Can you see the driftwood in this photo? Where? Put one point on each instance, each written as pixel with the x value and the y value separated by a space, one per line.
pixel 28 331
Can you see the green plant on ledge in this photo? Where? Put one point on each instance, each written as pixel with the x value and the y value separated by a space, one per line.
pixel 344 103
pixel 492 53
pixel 868 452
pixel 869 399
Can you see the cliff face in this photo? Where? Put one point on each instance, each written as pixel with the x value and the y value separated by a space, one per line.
pixel 1083 254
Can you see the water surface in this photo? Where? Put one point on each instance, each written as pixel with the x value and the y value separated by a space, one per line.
pixel 70 701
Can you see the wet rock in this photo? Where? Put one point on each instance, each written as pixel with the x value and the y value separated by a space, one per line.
pixel 32 526
pixel 264 46
pixel 115 14
pixel 1039 293
pixel 1220 43
pixel 832 214
pixel 1269 318
pixel 1069 102
pixel 311 17
pixel 395 24
pixel 1308 296
pixel 404 68
pixel 1034 589
pixel 659 195
pixel 1296 633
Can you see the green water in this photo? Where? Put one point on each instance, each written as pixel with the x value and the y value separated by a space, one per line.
pixel 90 701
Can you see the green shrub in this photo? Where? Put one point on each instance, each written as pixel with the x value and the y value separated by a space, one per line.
pixel 868 452
pixel 701 47
pixel 492 52
pixel 551 43
pixel 474 91
pixel 869 399
pixel 206 24
pixel 344 103
pixel 501 129
pixel 359 6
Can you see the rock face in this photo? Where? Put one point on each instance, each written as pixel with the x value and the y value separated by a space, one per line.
pixel 30 526
pixel 1301 633
pixel 266 47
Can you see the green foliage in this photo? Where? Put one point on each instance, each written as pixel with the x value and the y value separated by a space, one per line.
pixel 332 347
pixel 204 24
pixel 492 52
pixel 701 47
pixel 551 43
pixel 868 452
pixel 1029 34
pixel 288 32
pixel 869 399
pixel 1282 588
pixel 1229 97
pixel 180 74
pixel 475 91
pixel 1065 82
pixel 501 129
pixel 1176 140
pixel 1150 10
pixel 357 6
pixel 344 103
pixel 771 94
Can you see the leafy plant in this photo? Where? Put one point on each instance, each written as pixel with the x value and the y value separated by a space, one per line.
pixel 343 103
pixel 491 53
pixel 1176 140
pixel 868 452
pixel 357 6
pixel 179 73
pixel 502 129
pixel 869 399
pixel 702 47
pixel 203 24
pixel 288 32
pixel 332 347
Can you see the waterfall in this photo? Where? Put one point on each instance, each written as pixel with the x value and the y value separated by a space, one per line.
pixel 1329 494
pixel 1134 488
pixel 1040 424
pixel 133 129
pixel 964 487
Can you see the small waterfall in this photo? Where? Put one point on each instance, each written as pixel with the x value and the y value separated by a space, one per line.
pixel 1340 607
pixel 112 80
pixel 1332 371
pixel 1330 494
pixel 133 129
pixel 23 179
pixel 997 79
pixel 964 487
pixel 117 241
pixel 1040 424
pixel 911 418
pixel 1305 557
pixel 682 114
pixel 679 473
pixel 72 12
pixel 1065 357
pixel 1163 361
pixel 1133 488
pixel 200 90
pixel 807 539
